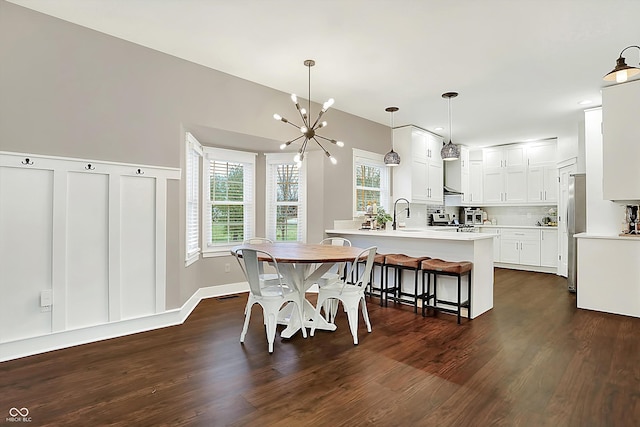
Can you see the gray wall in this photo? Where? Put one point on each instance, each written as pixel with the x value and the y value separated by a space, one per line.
pixel 69 91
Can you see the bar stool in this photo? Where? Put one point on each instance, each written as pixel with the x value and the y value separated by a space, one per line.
pixel 371 290
pixel 438 267
pixel 400 263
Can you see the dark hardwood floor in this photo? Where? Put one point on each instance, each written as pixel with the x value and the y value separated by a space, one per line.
pixel 534 360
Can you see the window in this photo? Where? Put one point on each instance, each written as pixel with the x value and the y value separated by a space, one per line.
pixel 192 177
pixel 229 209
pixel 285 199
pixel 370 181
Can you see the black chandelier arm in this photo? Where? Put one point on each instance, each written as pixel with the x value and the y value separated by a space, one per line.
pixel 628 47
pixel 290 123
pixel 318 119
pixel 304 146
pixel 294 140
pixel 304 117
pixel 333 141
pixel 323 149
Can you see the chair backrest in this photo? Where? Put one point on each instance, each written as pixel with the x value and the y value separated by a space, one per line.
pixel 252 263
pixel 363 279
pixel 257 240
pixel 338 241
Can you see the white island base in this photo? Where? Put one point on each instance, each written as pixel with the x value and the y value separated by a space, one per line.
pixel 446 245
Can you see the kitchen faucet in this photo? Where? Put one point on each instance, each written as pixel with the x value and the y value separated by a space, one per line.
pixel 394 225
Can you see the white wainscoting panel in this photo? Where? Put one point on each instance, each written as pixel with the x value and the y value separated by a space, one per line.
pixel 137 246
pixel 87 290
pixel 26 206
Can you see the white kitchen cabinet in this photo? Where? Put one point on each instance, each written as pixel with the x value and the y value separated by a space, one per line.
pixel 541 153
pixel 419 177
pixel 505 175
pixel 475 182
pixel 457 174
pixel 520 246
pixel 620 148
pixel 549 247
pixel 542 184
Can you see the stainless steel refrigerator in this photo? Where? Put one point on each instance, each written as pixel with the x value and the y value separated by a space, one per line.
pixel 576 223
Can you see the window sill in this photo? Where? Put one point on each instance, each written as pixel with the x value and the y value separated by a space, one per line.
pixel 192 258
pixel 218 252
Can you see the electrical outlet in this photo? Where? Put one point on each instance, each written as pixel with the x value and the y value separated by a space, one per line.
pixel 227 268
pixel 45 309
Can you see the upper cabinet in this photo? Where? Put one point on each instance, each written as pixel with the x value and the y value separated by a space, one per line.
pixel 505 174
pixel 419 177
pixel 465 176
pixel 520 174
pixel 620 148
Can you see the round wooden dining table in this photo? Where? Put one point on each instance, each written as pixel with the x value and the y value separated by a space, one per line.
pixel 301 266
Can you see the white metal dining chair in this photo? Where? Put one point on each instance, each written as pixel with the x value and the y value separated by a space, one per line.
pixel 270 297
pixel 331 306
pixel 268 278
pixel 350 294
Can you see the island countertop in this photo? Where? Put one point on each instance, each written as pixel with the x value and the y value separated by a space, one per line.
pixel 434 233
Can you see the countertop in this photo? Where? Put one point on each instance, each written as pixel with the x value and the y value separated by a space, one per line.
pixel 553 227
pixel 630 238
pixel 433 233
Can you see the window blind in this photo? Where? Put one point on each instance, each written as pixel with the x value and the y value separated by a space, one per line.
pixel 192 178
pixel 229 209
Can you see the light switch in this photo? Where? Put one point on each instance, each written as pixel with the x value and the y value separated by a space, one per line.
pixel 46 298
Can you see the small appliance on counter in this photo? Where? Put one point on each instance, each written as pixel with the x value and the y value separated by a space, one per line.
pixel 473 216
pixel 631 220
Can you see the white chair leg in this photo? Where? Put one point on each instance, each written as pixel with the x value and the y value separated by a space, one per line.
pixel 247 316
pixel 365 313
pixel 271 329
pixel 352 314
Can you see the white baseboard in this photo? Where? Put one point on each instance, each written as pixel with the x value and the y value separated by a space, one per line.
pixel 537 269
pixel 54 341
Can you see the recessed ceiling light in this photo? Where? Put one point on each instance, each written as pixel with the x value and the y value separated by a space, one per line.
pixel 438 128
pixel 585 102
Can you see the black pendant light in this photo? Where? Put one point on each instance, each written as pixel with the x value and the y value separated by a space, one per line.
pixel 391 158
pixel 450 151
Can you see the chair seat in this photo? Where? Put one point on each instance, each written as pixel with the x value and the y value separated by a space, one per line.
pixel 452 267
pixel 274 291
pixel 327 279
pixel 404 260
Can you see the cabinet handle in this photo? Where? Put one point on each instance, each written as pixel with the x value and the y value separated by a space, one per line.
pixel 521 246
pixel 545 194
pixel 516 246
pixel 541 196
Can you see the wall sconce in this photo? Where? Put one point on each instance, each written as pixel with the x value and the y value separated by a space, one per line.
pixel 622 71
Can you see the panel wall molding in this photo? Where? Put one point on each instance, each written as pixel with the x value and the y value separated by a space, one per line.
pixel 92 233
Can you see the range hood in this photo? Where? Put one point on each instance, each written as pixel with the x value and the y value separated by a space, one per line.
pixel 448 191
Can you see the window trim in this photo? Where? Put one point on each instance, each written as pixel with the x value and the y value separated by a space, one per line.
pixel 281 159
pixel 374 159
pixel 225 155
pixel 192 145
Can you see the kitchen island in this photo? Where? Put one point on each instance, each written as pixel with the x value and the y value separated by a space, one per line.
pixel 448 245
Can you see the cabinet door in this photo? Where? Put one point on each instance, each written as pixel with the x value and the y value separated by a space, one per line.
pixel 419 145
pixel 515 187
pixel 419 178
pixel 436 182
pixel 492 158
pixel 510 250
pixel 541 154
pixel 475 181
pixel 514 156
pixel 550 184
pixel 530 252
pixel 549 248
pixel 535 184
pixel 434 145
pixel 493 186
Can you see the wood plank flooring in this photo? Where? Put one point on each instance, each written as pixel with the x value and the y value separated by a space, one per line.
pixel 534 360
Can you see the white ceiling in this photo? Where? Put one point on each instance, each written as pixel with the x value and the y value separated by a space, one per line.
pixel 521 67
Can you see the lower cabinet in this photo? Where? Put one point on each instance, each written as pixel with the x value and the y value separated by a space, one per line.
pixel 496 241
pixel 549 248
pixel 520 246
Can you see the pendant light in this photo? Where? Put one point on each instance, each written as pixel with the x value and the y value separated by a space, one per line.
pixel 622 71
pixel 450 151
pixel 391 158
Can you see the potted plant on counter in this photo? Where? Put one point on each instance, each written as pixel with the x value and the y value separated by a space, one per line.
pixel 382 218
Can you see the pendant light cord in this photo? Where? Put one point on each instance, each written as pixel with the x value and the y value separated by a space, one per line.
pixel 450 129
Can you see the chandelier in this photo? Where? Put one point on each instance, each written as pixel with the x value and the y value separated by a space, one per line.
pixel 308 129
pixel 450 151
